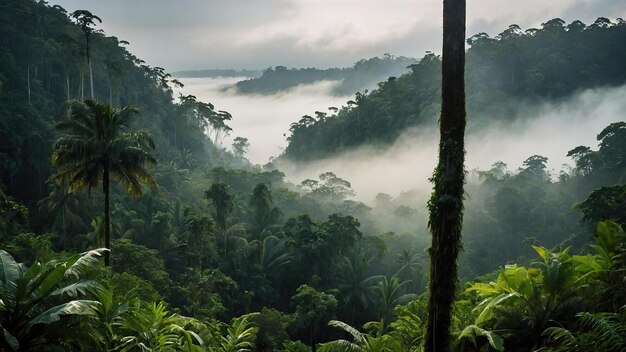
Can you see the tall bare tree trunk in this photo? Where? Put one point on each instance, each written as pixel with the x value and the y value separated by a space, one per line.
pixel 28 82
pixel 107 215
pixel 110 89
pixel 446 202
pixel 67 81
pixel 82 81
pixel 90 78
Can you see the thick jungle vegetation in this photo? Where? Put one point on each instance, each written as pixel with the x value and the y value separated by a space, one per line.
pixel 217 254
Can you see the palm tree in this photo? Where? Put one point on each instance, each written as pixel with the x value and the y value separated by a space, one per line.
pixel 95 147
pixel 356 286
pixel 391 293
pixel 446 202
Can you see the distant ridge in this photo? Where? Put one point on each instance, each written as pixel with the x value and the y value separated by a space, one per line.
pixel 212 73
pixel 364 74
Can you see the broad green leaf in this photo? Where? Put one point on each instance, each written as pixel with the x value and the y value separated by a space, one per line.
pixel 10 273
pixel 586 263
pixel 73 290
pixel 543 252
pixel 11 340
pixel 86 260
pixel 487 313
pixel 483 289
pixel 471 332
pixel 77 307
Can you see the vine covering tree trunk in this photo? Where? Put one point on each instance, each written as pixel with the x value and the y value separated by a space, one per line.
pixel 446 202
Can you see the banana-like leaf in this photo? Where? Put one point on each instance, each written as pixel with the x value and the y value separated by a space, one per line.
pixel 10 273
pixel 11 340
pixel 471 332
pixel 356 334
pixel 75 289
pixel 54 314
pixel 487 312
pixel 85 261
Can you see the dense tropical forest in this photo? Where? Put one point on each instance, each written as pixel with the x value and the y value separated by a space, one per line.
pixel 126 224
pixel 504 75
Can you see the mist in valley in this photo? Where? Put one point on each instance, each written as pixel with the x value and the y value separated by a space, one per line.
pixel 549 129
pixel 263 119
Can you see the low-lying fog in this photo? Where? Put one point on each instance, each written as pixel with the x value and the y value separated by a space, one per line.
pixel 550 130
pixel 263 119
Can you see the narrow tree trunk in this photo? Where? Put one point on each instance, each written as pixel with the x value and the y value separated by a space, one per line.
pixel 107 219
pixel 67 81
pixel 446 202
pixel 110 90
pixel 90 78
pixel 82 81
pixel 28 82
pixel 313 346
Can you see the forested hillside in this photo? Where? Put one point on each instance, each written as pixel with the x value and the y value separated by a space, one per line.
pixel 217 73
pixel 210 253
pixel 43 64
pixel 362 75
pixel 504 75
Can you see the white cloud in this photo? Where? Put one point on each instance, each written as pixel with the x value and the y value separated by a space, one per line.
pixel 304 33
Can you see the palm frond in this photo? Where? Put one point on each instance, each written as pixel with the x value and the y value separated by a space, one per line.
pixel 560 335
pixel 609 330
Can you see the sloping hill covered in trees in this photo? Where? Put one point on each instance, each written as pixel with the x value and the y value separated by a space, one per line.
pixel 363 74
pixel 44 62
pixel 503 74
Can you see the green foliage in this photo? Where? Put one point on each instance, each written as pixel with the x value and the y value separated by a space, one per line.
pixel 152 328
pixel 407 328
pixel 27 247
pixel 361 342
pixel 313 308
pixel 36 302
pixel 13 215
pixel 472 332
pixel 533 306
pixel 272 331
pixel 605 203
pixel 141 262
pixel 240 336
pixel 222 201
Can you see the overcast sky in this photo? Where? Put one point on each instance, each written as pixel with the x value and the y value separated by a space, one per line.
pixel 197 34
